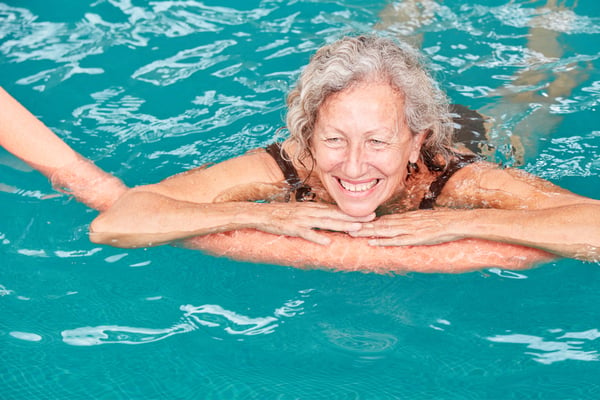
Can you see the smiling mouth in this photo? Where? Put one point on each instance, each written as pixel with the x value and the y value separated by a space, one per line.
pixel 356 188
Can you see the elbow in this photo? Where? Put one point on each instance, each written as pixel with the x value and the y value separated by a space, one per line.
pixel 123 226
pixel 131 223
pixel 113 227
pixel 104 230
pixel 101 232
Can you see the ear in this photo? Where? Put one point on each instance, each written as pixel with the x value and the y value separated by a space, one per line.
pixel 417 143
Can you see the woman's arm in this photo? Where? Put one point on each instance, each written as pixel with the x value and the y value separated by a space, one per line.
pixel 345 253
pixel 504 205
pixel 190 204
pixel 25 136
pixel 28 138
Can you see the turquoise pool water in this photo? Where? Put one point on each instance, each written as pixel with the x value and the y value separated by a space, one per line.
pixel 150 88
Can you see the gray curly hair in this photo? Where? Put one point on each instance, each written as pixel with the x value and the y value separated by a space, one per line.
pixel 352 60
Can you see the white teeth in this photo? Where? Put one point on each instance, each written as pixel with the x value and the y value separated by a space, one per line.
pixel 361 187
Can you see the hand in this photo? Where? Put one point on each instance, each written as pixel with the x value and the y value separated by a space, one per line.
pixel 423 227
pixel 304 220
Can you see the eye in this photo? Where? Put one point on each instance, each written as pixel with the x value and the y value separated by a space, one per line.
pixel 378 143
pixel 334 141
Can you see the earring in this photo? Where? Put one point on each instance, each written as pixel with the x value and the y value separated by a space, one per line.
pixel 412 168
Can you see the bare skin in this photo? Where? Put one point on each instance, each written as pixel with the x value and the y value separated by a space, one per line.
pixel 29 139
pixel 496 204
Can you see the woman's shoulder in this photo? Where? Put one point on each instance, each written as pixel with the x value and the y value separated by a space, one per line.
pixel 464 188
pixel 484 184
pixel 206 183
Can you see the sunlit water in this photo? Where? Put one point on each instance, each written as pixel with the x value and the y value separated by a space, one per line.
pixel 148 89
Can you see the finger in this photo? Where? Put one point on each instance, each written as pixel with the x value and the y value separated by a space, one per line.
pixel 379 231
pixel 336 225
pixel 315 237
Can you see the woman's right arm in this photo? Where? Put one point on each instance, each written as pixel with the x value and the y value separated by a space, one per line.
pixel 25 136
pixel 186 205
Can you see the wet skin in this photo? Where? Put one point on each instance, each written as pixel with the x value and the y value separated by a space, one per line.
pixel 362 146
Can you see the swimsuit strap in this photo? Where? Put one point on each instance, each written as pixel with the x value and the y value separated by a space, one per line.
pixel 436 186
pixel 303 191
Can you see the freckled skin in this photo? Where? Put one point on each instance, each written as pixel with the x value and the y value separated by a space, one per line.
pixel 362 146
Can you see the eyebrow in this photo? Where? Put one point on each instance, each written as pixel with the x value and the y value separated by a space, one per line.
pixel 381 129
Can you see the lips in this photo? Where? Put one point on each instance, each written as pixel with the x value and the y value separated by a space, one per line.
pixel 358 187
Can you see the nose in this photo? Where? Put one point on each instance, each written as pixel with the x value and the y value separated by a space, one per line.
pixel 355 163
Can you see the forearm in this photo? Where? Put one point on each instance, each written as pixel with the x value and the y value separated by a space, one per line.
pixel 28 138
pixel 571 231
pixel 22 134
pixel 142 219
pixel 355 254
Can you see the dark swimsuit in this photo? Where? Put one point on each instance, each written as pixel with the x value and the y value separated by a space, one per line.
pixel 470 131
pixel 302 191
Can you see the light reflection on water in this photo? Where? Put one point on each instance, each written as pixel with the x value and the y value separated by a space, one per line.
pixel 206 316
pixel 567 346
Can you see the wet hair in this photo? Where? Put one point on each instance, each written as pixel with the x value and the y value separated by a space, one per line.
pixel 354 60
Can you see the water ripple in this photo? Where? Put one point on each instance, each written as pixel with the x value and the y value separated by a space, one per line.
pixel 211 316
pixel 559 20
pixel 26 336
pixel 556 349
pixel 362 342
pixel 568 156
pixel 27 39
pixel 183 64
pixel 106 334
pixel 197 14
pixel 3 290
pixel 118 114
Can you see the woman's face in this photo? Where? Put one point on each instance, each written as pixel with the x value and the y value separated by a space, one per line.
pixel 362 145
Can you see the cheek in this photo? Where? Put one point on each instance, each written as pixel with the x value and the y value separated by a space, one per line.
pixel 398 176
pixel 393 165
pixel 327 159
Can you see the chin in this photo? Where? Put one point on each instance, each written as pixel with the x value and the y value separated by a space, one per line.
pixel 357 211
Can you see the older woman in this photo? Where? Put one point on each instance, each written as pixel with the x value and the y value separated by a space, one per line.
pixel 370 153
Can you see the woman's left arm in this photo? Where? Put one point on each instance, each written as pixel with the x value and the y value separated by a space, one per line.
pixel 505 205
